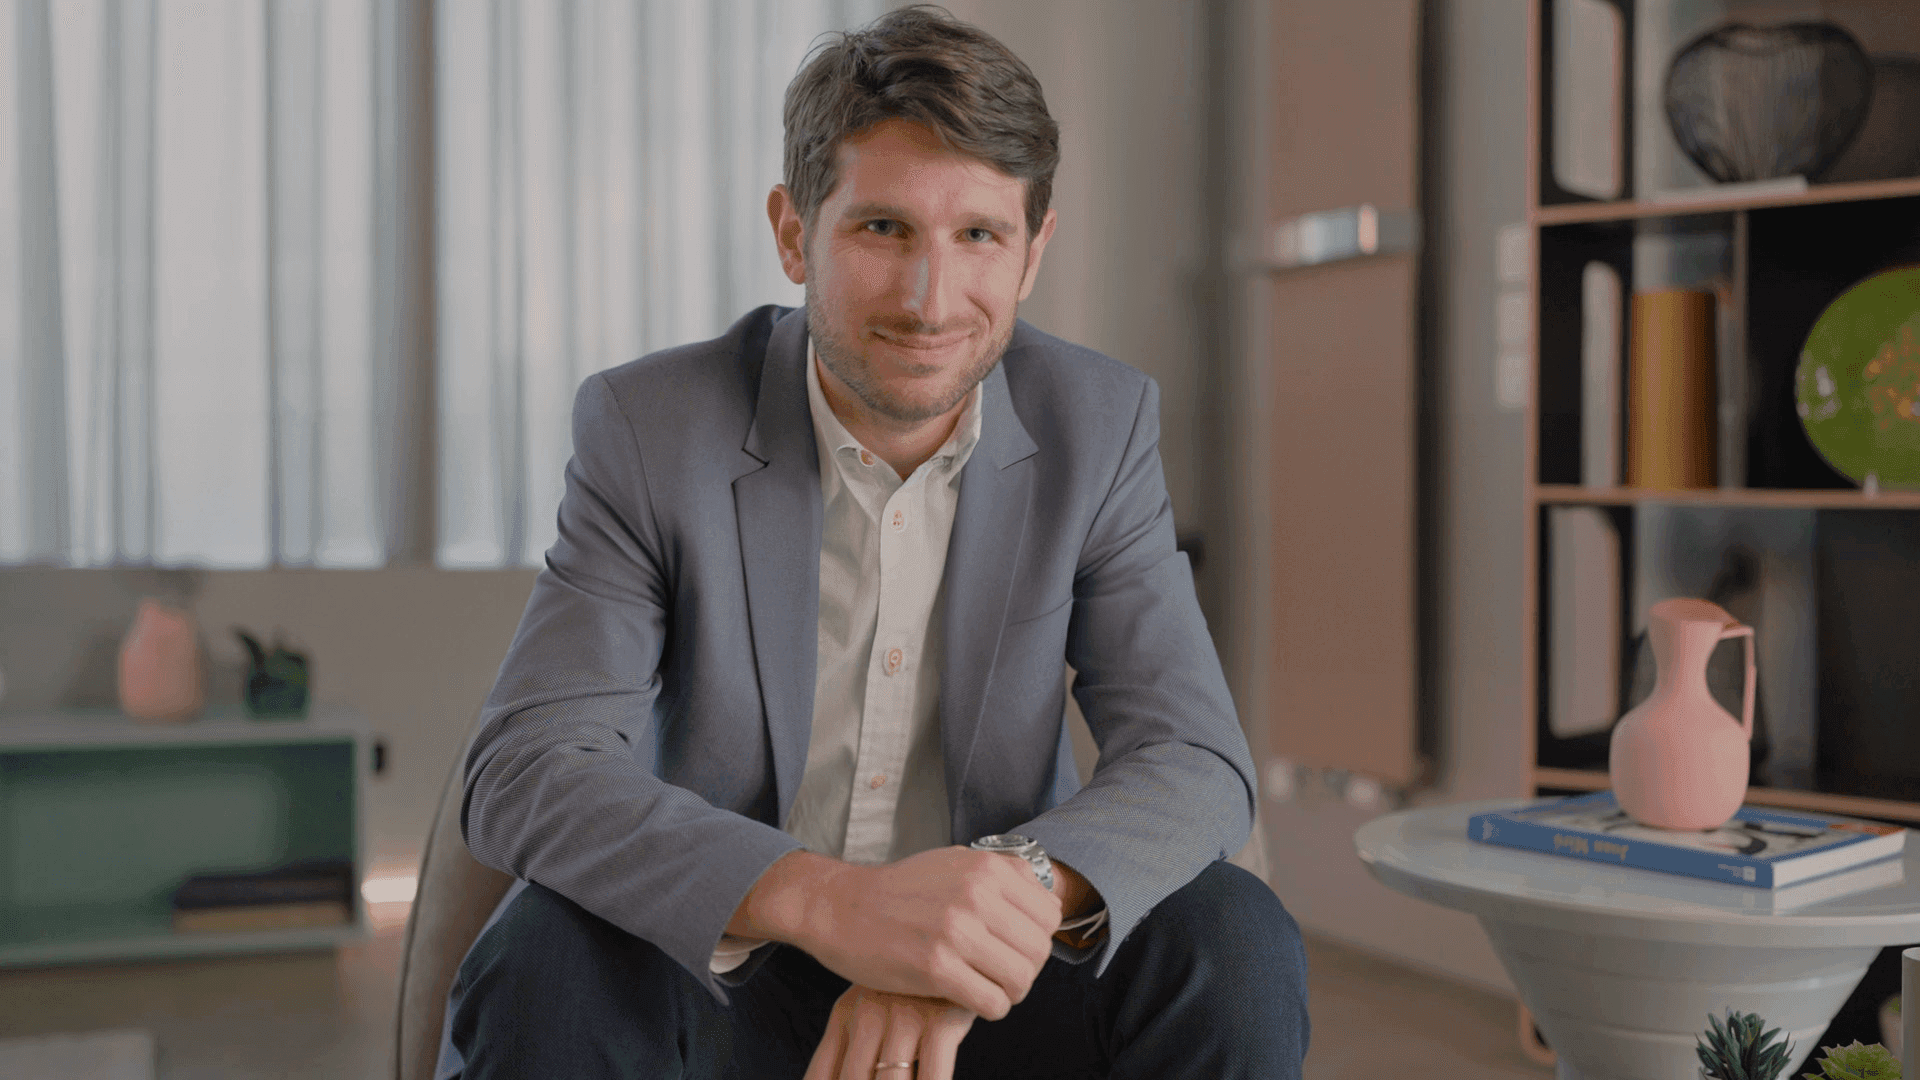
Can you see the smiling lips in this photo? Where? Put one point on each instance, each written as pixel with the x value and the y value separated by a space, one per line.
pixel 922 345
pixel 910 342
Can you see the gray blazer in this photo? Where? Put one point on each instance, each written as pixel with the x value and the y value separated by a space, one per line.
pixel 649 725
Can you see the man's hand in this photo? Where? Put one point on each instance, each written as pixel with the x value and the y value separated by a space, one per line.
pixel 970 927
pixel 868 1027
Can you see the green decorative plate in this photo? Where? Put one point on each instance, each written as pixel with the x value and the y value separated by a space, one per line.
pixel 1858 383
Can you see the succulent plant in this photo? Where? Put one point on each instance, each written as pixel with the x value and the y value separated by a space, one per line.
pixel 1739 1050
pixel 1857 1062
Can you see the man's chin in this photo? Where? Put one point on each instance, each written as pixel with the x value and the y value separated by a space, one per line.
pixel 906 409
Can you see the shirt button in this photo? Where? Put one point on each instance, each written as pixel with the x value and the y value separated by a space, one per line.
pixel 877 782
pixel 899 521
pixel 866 457
pixel 894 659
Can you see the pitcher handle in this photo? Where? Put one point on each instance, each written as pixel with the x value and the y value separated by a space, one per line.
pixel 1746 716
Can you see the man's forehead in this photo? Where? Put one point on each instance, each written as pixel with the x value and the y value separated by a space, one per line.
pixel 910 145
pixel 880 162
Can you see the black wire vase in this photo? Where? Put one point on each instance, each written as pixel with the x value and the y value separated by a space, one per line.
pixel 1749 103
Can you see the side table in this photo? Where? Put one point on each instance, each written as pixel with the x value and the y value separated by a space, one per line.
pixel 1620 966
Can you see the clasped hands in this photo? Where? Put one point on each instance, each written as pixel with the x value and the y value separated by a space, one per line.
pixel 930 943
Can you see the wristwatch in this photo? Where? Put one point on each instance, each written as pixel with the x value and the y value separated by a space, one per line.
pixel 1022 847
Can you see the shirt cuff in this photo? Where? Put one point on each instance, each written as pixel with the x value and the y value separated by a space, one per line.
pixel 1086 926
pixel 732 951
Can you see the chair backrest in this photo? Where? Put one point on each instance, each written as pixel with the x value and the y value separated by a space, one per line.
pixel 455 896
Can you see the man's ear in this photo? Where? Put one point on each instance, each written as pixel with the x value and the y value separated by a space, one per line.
pixel 1035 250
pixel 789 233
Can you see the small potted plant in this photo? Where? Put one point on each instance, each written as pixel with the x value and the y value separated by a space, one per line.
pixel 1740 1050
pixel 1856 1062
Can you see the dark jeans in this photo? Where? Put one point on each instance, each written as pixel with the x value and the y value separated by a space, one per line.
pixel 1212 984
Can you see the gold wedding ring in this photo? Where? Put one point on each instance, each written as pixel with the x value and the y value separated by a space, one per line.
pixel 893 1065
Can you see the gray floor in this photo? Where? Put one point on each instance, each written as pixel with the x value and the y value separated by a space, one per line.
pixel 330 1016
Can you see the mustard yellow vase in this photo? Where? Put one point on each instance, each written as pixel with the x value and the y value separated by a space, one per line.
pixel 1672 391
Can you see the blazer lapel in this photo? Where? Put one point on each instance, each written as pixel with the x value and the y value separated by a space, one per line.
pixel 989 530
pixel 776 499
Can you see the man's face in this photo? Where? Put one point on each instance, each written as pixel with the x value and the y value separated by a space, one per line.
pixel 914 269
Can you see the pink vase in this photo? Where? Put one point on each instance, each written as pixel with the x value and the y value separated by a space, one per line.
pixel 1678 760
pixel 160 673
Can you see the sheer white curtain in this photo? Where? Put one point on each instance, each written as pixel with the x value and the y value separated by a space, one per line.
pixel 603 173
pixel 195 281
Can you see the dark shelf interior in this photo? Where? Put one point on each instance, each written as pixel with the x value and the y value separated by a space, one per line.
pixel 1559 326
pixel 1803 258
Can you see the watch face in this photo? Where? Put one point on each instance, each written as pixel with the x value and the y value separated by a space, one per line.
pixel 1002 842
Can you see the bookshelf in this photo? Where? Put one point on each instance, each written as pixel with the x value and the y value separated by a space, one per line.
pixel 100 817
pixel 1832 555
pixel 1839 685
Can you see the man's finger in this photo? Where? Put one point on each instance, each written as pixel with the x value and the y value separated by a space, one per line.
pixel 958 982
pixel 1010 967
pixel 906 1022
pixel 1033 943
pixel 868 1025
pixel 826 1057
pixel 1031 897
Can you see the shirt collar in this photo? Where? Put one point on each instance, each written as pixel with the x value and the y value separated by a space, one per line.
pixel 834 438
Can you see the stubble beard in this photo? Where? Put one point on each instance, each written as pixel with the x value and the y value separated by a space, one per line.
pixel 852 368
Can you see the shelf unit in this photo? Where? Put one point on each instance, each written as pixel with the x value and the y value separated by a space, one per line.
pixel 1838 558
pixel 1787 255
pixel 101 817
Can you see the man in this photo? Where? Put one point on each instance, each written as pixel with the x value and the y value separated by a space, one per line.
pixel 803 637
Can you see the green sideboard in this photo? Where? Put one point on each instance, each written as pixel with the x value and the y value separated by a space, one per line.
pixel 101 818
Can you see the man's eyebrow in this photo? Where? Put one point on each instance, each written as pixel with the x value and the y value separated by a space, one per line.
pixel 868 211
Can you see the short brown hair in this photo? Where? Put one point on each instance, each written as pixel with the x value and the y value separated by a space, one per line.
pixel 919 63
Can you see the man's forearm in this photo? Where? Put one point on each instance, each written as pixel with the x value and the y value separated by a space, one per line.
pixel 1078 899
pixel 777 907
pixel 779 904
pixel 1077 895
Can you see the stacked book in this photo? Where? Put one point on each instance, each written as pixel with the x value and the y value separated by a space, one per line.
pixel 299 895
pixel 1817 856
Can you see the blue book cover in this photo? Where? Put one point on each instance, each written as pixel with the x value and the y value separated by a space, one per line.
pixel 1762 848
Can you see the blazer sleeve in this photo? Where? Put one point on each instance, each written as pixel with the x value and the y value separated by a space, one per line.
pixel 1174 787
pixel 560 787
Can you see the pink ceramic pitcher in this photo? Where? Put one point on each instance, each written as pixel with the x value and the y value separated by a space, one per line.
pixel 160 669
pixel 1679 760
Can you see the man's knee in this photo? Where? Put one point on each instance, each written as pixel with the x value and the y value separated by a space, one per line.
pixel 547 950
pixel 1229 921
pixel 542 937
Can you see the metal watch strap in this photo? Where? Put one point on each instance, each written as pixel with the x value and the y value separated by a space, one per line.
pixel 1021 847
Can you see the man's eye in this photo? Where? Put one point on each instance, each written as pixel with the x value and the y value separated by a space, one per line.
pixel 980 235
pixel 884 227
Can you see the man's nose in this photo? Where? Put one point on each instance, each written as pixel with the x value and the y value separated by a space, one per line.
pixel 930 283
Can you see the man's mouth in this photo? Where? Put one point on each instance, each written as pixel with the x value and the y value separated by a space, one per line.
pixel 921 344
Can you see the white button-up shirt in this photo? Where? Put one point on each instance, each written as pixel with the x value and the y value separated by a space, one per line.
pixel 875 787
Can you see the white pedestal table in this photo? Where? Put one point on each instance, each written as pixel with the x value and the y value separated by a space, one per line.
pixel 1621 966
